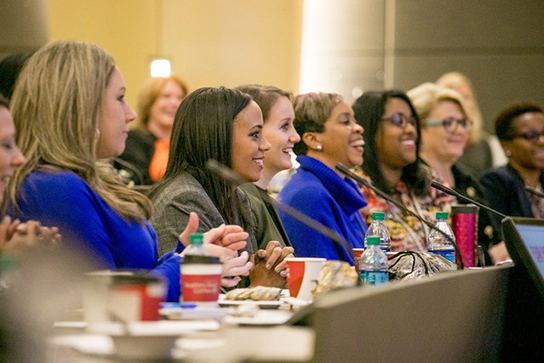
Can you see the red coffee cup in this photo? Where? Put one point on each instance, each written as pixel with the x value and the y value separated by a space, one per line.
pixel 136 297
pixel 302 276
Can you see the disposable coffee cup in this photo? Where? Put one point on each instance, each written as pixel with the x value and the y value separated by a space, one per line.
pixel 136 298
pixel 200 278
pixel 357 253
pixel 303 275
pixel 96 294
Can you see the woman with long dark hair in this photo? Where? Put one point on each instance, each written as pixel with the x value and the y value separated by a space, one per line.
pixel 224 125
pixel 391 163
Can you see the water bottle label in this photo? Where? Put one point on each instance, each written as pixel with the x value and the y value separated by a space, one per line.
pixel 449 254
pixel 374 277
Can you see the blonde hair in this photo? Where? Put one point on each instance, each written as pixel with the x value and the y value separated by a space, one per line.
pixel 454 80
pixel 56 107
pixel 149 92
pixel 426 97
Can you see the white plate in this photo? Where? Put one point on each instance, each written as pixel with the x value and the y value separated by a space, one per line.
pixel 262 318
pixel 262 304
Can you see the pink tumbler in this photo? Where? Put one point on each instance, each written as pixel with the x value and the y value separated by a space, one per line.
pixel 464 223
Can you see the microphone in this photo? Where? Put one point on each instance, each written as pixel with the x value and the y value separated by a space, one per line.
pixel 343 169
pixel 534 192
pixel 231 176
pixel 450 191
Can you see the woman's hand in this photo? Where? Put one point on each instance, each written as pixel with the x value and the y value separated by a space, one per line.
pixel 269 265
pixel 15 236
pixel 228 236
pixel 223 242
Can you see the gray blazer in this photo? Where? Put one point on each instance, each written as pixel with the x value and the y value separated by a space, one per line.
pixel 173 204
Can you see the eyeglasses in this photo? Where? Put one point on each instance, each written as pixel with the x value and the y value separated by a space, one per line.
pixel 450 124
pixel 531 135
pixel 401 120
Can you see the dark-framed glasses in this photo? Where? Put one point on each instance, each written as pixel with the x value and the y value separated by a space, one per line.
pixel 400 120
pixel 531 135
pixel 450 124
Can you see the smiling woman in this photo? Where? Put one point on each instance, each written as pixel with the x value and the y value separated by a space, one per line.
pixel 330 135
pixel 446 130
pixel 278 130
pixel 520 128
pixel 393 139
pixel 224 125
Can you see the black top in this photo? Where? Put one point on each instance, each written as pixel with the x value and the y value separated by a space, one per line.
pixel 505 191
pixel 135 160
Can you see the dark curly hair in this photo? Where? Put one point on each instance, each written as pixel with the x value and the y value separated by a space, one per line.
pixel 503 121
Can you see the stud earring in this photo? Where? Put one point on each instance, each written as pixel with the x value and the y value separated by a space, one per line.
pixel 319 148
pixel 508 153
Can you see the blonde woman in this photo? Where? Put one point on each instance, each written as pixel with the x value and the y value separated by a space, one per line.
pixel 148 143
pixel 482 151
pixel 445 130
pixel 70 112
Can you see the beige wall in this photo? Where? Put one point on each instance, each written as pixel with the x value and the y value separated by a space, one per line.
pixel 210 42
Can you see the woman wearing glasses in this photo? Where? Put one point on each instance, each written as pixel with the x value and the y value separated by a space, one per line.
pixel 445 132
pixel 520 128
pixel 391 163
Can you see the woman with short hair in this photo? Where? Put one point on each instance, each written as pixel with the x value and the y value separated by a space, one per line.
pixel 445 130
pixel 329 135
pixel 520 128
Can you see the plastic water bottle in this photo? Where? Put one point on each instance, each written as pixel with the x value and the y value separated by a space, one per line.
pixel 373 263
pixel 437 242
pixel 378 228
pixel 196 248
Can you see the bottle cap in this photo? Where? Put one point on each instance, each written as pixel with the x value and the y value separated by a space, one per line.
pixel 378 216
pixel 197 238
pixel 373 240
pixel 441 215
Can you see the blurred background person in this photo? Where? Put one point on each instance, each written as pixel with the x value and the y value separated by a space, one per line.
pixel 392 164
pixel 520 127
pixel 445 131
pixel 278 130
pixel 224 125
pixel 10 67
pixel 146 154
pixel 483 151
pixel 329 135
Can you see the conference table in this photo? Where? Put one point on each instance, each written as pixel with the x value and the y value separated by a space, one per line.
pixel 452 317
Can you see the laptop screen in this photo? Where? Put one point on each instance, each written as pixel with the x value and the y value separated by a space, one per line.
pixel 524 238
pixel 533 237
